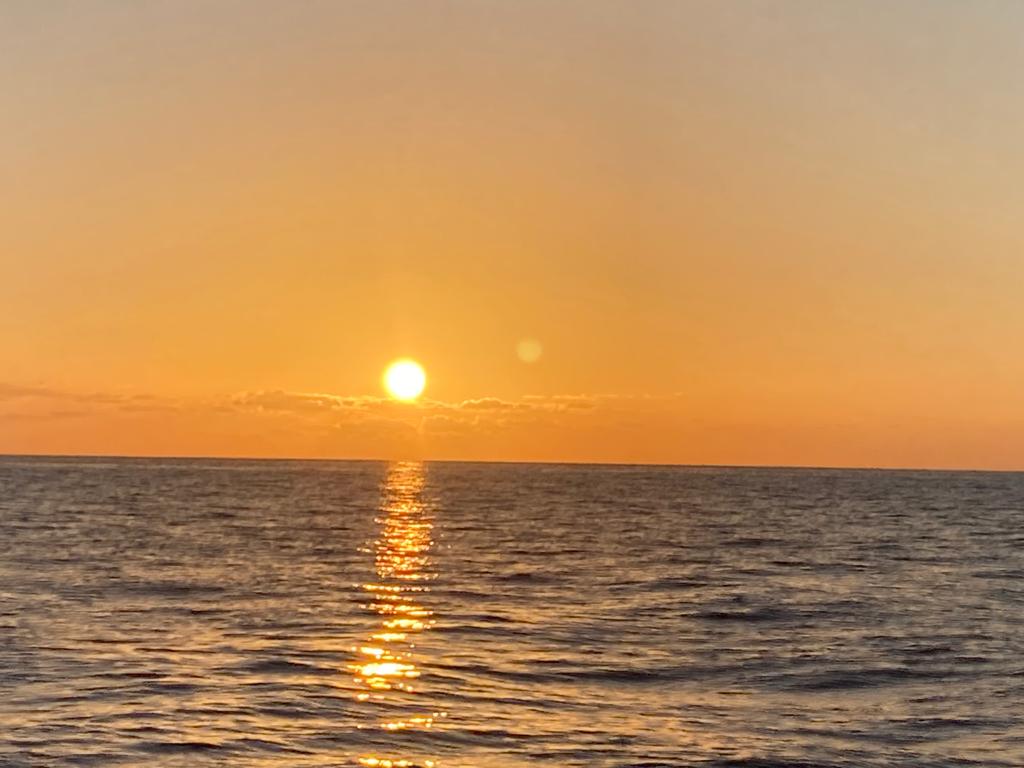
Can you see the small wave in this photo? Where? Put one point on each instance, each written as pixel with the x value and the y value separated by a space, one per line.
pixel 526 576
pixel 928 650
pixel 838 680
pixel 284 667
pixel 768 762
pixel 170 588
pixel 178 747
pixel 676 583
pixel 498 630
pixel 750 542
pixel 753 615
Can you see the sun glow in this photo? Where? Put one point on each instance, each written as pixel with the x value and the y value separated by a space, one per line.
pixel 405 379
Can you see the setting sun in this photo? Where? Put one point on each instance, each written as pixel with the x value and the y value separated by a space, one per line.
pixel 720 301
pixel 405 379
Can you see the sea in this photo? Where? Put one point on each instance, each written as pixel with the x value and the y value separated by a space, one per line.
pixel 159 612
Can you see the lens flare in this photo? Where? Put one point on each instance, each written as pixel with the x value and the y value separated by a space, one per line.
pixel 529 350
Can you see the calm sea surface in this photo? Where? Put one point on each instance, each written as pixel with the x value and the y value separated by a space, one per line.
pixel 200 613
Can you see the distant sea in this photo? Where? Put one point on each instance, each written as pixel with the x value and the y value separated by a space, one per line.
pixel 265 614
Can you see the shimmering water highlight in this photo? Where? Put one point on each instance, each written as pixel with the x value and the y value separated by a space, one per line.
pixel 204 613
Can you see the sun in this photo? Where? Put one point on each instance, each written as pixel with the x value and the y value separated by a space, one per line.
pixel 405 379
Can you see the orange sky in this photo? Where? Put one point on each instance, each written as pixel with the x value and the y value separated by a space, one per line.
pixel 765 232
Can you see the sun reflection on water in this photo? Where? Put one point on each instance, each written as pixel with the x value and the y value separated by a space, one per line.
pixel 386 671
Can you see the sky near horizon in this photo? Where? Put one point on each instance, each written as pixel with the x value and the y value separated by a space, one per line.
pixel 740 232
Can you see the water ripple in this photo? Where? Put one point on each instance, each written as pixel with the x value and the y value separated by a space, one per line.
pixel 204 613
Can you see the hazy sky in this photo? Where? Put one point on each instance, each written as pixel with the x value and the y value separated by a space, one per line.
pixel 742 232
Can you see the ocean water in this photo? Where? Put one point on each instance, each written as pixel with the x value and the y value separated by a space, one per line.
pixel 201 613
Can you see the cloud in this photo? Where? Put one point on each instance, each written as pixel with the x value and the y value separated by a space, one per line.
pixel 19 391
pixel 277 422
pixel 326 407
pixel 486 404
pixel 34 401
pixel 317 403
pixel 566 402
pixel 329 408
pixel 301 402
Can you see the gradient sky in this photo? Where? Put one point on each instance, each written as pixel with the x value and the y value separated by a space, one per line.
pixel 743 232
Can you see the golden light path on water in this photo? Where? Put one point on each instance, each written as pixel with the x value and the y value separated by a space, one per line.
pixel 385 668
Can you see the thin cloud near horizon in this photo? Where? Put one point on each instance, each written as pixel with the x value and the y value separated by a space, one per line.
pixel 647 428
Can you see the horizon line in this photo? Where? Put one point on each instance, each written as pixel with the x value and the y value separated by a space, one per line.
pixel 565 462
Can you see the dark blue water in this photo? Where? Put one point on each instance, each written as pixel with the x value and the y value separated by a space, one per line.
pixel 200 613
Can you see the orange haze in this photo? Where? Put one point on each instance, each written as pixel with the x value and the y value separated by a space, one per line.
pixel 771 232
